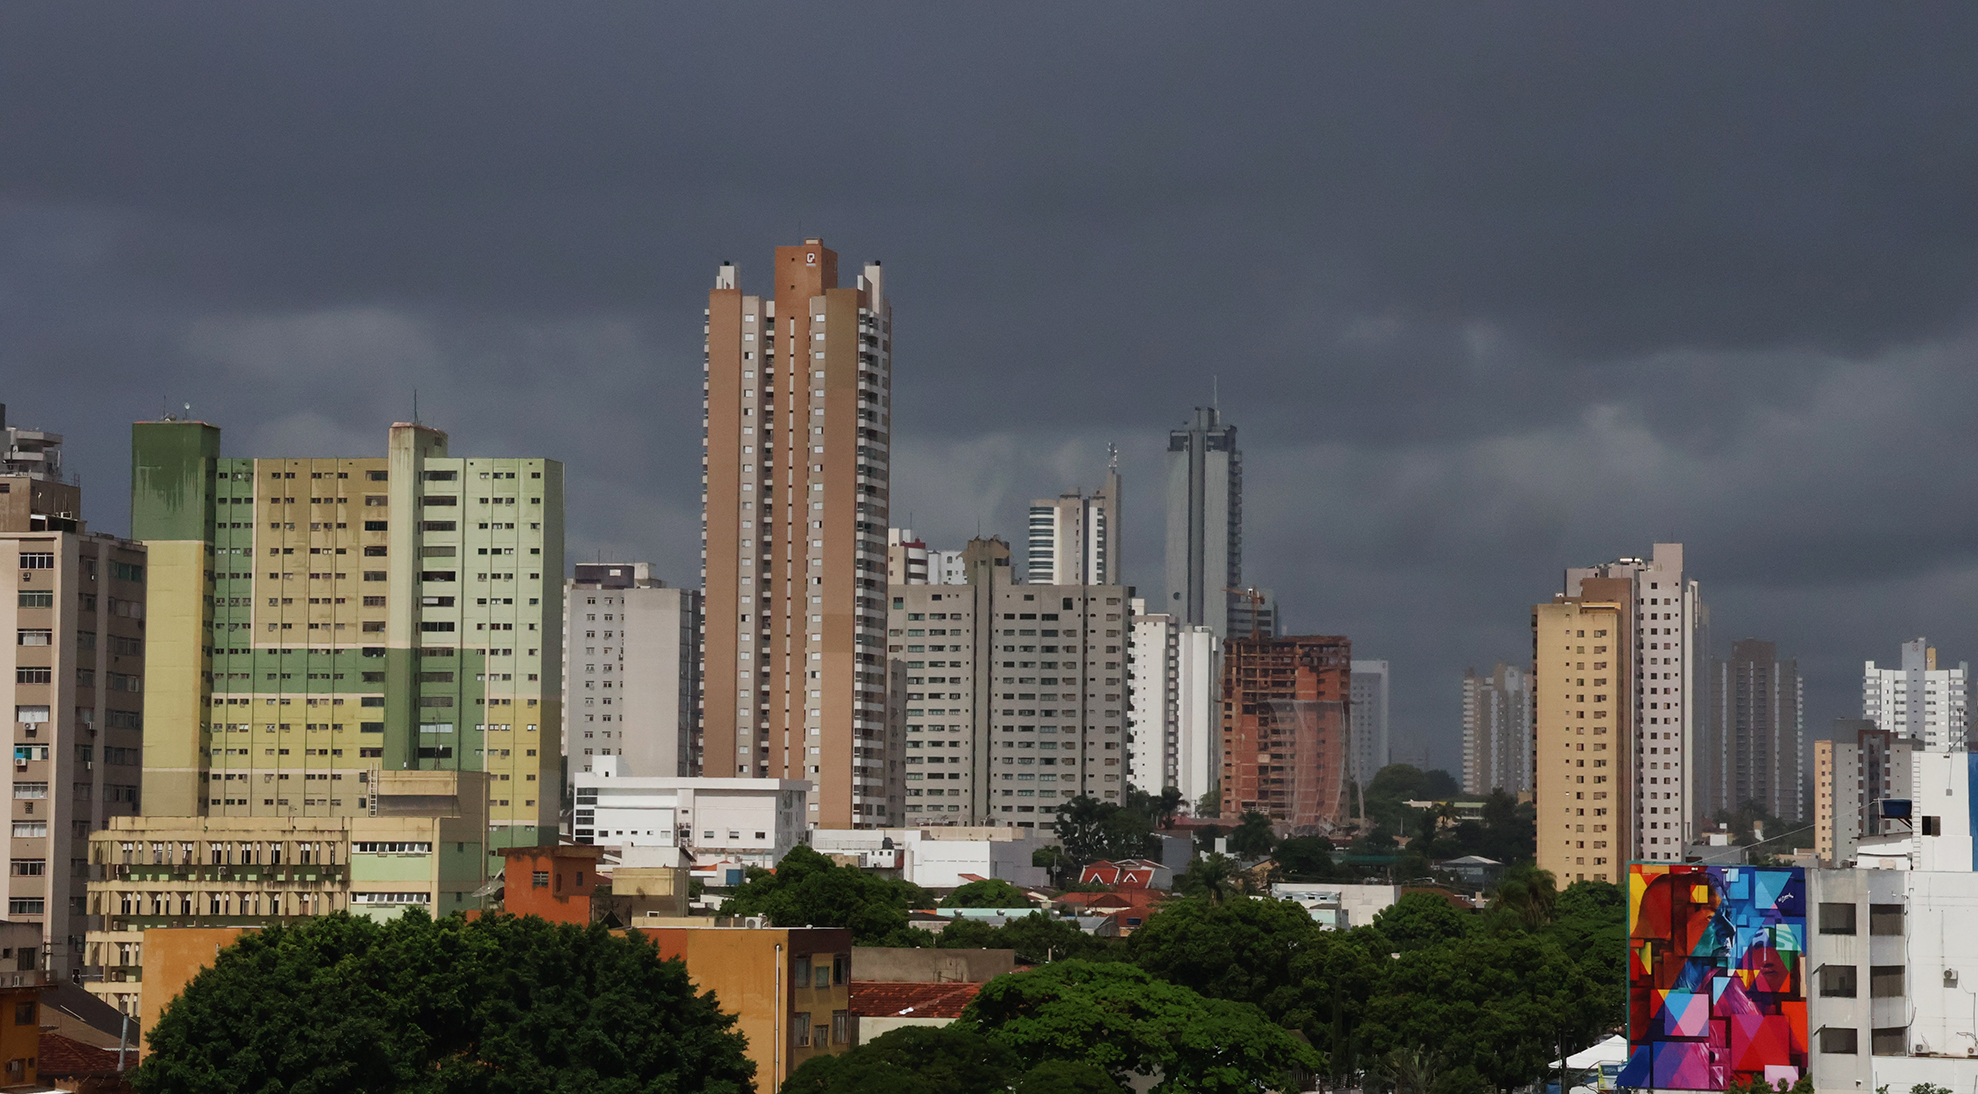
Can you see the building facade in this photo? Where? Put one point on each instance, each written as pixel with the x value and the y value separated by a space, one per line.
pixel 798 425
pixel 1198 752
pixel 424 843
pixel 1369 720
pixel 1754 747
pixel 1920 701
pixel 314 621
pixel 704 820
pixel 1583 713
pixel 1497 731
pixel 1075 537
pixel 1285 728
pixel 74 677
pixel 1665 682
pixel 1002 751
pixel 1153 700
pixel 1857 766
pixel 631 672
pixel 1205 523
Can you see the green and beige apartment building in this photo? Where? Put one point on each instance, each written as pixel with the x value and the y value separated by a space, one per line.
pixel 316 623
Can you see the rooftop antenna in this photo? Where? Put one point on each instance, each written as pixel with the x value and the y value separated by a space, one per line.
pixel 415 406
pixel 1215 394
pixel 1112 456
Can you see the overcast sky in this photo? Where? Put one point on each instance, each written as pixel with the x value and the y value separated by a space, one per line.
pixel 1489 290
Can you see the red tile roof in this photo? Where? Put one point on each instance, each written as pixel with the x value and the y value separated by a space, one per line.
pixel 63 1056
pixel 878 999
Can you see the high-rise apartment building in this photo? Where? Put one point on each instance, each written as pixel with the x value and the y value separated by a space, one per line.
pixel 1920 701
pixel 798 422
pixel 1075 538
pixel 1497 731
pixel 1198 746
pixel 1153 706
pixel 631 672
pixel 1857 766
pixel 1253 614
pixel 1369 741
pixel 1665 674
pixel 1754 746
pixel 75 684
pixel 1285 724
pixel 910 561
pixel 984 745
pixel 1583 711
pixel 314 621
pixel 1205 524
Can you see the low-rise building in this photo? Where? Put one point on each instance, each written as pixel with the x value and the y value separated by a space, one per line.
pixel 789 988
pixel 425 847
pixel 940 858
pixel 749 822
pixel 1338 905
pixel 1127 874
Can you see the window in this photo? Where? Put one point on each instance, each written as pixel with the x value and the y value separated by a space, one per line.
pixel 124 571
pixel 38 599
pixel 1889 1041
pixel 1885 919
pixel 1933 826
pixel 30 829
pixel 1838 1041
pixel 800 1028
pixel 29 867
pixel 841 1027
pixel 1884 982
pixel 539 879
pixel 1837 981
pixel 24 1014
pixel 35 637
pixel 34 676
pixel 25 906
pixel 392 848
pixel 37 560
pixel 1836 919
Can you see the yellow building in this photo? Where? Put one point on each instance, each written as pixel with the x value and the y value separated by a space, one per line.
pixel 789 988
pixel 424 848
pixel 1582 732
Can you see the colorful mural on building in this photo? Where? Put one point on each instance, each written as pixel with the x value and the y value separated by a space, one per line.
pixel 1716 976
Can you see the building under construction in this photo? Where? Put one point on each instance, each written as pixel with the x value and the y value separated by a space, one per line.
pixel 1285 746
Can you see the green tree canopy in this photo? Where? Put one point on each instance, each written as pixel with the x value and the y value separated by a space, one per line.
pixel 1123 1020
pixel 1213 877
pixel 1252 838
pixel 951 1059
pixel 1421 920
pixel 413 1006
pixel 1244 950
pixel 808 890
pixel 988 893
pixel 1091 830
pixel 1305 858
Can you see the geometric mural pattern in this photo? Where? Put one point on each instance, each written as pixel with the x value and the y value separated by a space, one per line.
pixel 1716 976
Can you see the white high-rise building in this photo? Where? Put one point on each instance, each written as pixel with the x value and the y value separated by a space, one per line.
pixel 1497 731
pixel 1153 710
pixel 1198 758
pixel 1668 617
pixel 1074 537
pixel 631 673
pixel 1367 717
pixel 910 561
pixel 1919 701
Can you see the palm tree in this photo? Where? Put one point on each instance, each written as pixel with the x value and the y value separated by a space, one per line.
pixel 1528 892
pixel 1213 876
pixel 1254 837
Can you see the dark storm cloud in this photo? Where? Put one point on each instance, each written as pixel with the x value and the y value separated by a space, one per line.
pixel 1490 289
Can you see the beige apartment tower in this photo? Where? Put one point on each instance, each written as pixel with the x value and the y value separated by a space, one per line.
pixel 76 683
pixel 798 420
pixel 1582 726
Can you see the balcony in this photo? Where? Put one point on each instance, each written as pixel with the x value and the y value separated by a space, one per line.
pixel 256 874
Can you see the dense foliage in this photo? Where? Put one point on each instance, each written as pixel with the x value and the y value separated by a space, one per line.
pixel 953 1059
pixel 987 893
pixel 1091 830
pixel 808 890
pixel 500 1004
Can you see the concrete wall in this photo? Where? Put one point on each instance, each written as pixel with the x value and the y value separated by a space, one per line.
pixel 904 966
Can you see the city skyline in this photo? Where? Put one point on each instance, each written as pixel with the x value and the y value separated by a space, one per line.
pixel 1432 370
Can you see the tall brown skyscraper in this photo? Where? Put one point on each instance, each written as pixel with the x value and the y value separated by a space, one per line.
pixel 1285 704
pixel 798 419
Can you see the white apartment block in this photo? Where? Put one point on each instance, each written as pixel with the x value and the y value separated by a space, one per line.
pixel 1919 701
pixel 1153 700
pixel 1497 731
pixel 753 821
pixel 1015 695
pixel 1668 620
pixel 1198 758
pixel 1074 538
pixel 940 858
pixel 631 671
pixel 910 561
pixel 1367 742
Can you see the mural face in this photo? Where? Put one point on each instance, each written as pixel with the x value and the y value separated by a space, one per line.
pixel 1716 976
